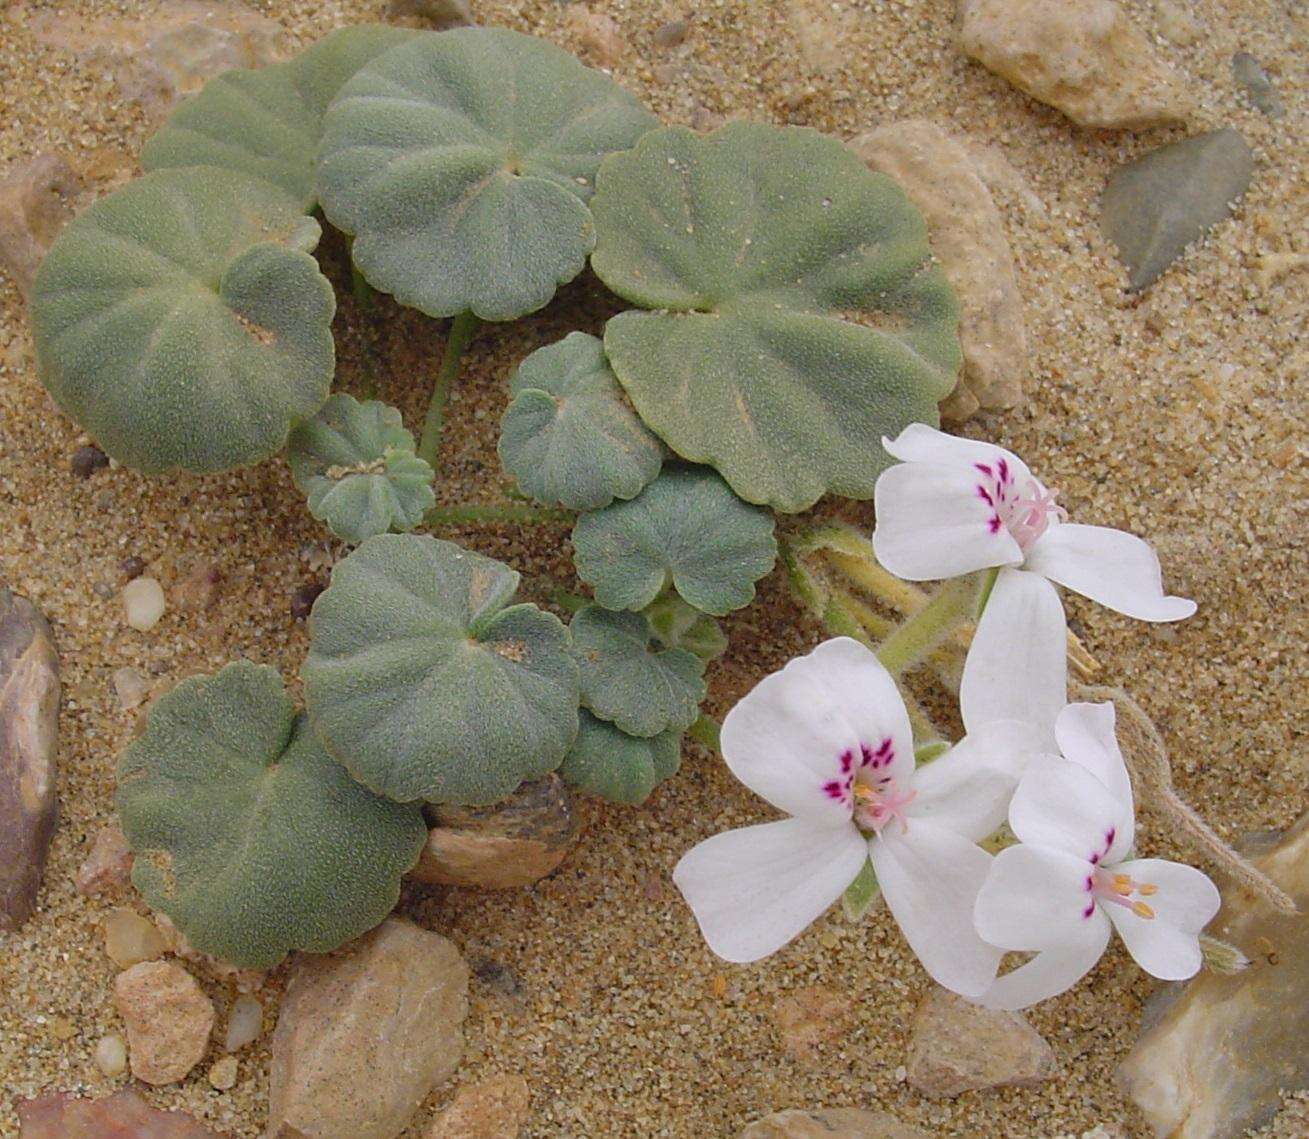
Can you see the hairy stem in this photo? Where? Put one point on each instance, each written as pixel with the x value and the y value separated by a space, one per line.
pixel 461 332
pixel 920 633
pixel 540 515
pixel 1148 760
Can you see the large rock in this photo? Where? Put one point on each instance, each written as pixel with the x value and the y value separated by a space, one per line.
pixel 37 199
pixel 168 1020
pixel 969 241
pixel 1158 204
pixel 508 844
pixel 831 1123
pixel 958 1046
pixel 1213 1063
pixel 122 1116
pixel 494 1108
pixel 365 1034
pixel 1084 58
pixel 158 60
pixel 29 727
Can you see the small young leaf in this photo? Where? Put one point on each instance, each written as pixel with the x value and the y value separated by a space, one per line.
pixel 569 437
pixel 644 692
pixel 677 625
pixel 427 684
pixel 247 834
pixel 182 322
pixel 795 315
pixel 462 163
pixel 355 464
pixel 688 527
pixel 605 761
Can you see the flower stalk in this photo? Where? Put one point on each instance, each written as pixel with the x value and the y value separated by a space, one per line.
pixel 461 332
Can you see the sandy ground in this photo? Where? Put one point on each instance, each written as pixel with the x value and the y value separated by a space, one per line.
pixel 1180 416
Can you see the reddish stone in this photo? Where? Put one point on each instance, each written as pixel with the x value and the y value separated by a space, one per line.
pixel 122 1116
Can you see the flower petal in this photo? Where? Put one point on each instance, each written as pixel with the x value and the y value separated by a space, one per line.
pixel 968 789
pixel 933 523
pixel 1118 570
pixel 1017 665
pixel 929 877
pixel 919 443
pixel 752 890
pixel 1034 897
pixel 870 701
pixel 1085 733
pixel 786 740
pixel 1167 946
pixel 1063 806
pixel 1051 971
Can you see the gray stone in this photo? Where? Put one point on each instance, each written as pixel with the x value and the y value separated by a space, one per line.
pixel 968 239
pixel 1155 206
pixel 831 1123
pixel 1084 58
pixel 1215 1060
pixel 365 1034
pixel 958 1046
pixel 508 844
pixel 1259 88
pixel 29 732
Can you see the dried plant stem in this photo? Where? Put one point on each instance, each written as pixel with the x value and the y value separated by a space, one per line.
pixel 1149 763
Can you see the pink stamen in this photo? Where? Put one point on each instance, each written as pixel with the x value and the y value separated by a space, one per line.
pixel 1027 515
pixel 1118 889
pixel 877 806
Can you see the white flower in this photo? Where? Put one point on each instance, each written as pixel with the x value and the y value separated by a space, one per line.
pixel 827 740
pixel 952 506
pixel 1069 881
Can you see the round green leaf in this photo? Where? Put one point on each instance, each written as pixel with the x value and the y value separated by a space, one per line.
pixel 355 463
pixel 247 834
pixel 607 762
pixel 677 625
pixel 426 686
pixel 643 690
pixel 462 163
pixel 569 437
pixel 798 316
pixel 267 122
pixel 182 322
pixel 686 527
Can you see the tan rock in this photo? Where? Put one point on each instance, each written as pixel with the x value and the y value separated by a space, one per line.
pixel 810 1019
pixel 508 844
pixel 131 938
pixel 365 1034
pixel 822 32
pixel 122 1116
pixel 494 1108
pixel 223 1073
pixel 831 1123
pixel 1214 1061
pixel 111 1055
pixel 168 1020
pixel 37 199
pixel 596 37
pixel 29 730
pixel 437 14
pixel 1086 59
pixel 143 603
pixel 130 687
pixel 968 239
pixel 158 60
pixel 108 868
pixel 958 1046
pixel 199 589
pixel 1176 24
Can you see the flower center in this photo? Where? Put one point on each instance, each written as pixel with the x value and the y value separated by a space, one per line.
pixel 1026 511
pixel 875 806
pixel 865 785
pixel 1120 890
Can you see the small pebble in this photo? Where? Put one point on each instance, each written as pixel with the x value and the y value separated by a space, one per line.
pixel 143 602
pixel 198 590
pixel 87 460
pixel 244 1023
pixel 1259 88
pixel 111 1055
pixel 61 1028
pixel 222 1076
pixel 131 939
pixel 302 600
pixel 131 567
pixel 131 688
pixel 671 34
